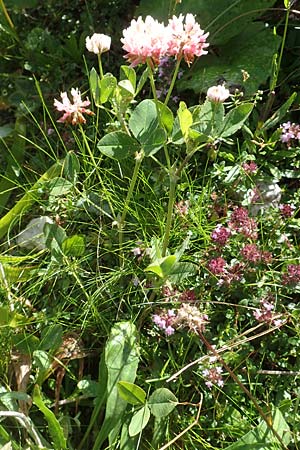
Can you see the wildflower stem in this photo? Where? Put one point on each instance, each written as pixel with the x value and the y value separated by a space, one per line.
pixel 100 66
pixel 243 387
pixel 138 161
pixel 276 69
pixel 173 183
pixel 7 16
pixel 174 77
pixel 153 88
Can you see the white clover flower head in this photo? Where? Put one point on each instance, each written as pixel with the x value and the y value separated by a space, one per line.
pixel 217 94
pixel 98 43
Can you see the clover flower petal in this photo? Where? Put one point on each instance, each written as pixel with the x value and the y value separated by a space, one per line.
pixel 98 43
pixel 73 111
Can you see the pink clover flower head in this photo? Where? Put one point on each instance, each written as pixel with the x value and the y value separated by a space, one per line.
pixel 73 112
pixel 220 234
pixel 186 38
pixel 217 94
pixel 217 265
pixel 98 43
pixel 144 40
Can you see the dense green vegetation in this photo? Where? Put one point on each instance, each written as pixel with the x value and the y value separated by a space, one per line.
pixel 149 264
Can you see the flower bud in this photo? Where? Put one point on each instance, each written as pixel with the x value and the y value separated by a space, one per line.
pixel 217 94
pixel 98 43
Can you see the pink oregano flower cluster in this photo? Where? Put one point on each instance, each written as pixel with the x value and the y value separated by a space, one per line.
pixel 152 40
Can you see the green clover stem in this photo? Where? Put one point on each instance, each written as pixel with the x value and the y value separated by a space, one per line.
pixel 173 183
pixel 138 161
pixel 174 77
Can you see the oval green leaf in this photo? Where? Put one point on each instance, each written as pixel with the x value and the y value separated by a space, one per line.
pixel 162 402
pixel 131 393
pixel 118 145
pixel 139 421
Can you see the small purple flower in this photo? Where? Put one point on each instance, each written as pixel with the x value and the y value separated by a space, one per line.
pixel 213 376
pixel 250 167
pixel 164 321
pixel 217 265
pixel 220 234
pixel 290 131
pixel 265 313
pixel 286 210
pixel 292 276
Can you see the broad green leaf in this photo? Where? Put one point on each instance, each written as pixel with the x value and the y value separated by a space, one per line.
pixel 58 187
pixel 54 235
pixel 25 343
pixel 238 56
pixel 166 117
pixel 234 120
pixel 280 113
pixel 202 118
pixel 95 86
pixel 121 360
pixel 51 337
pixel 162 267
pixel 128 73
pixel 11 318
pixel 55 430
pixel 142 81
pixel 14 160
pixel 42 361
pixel 223 19
pixel 107 87
pixel 139 421
pixel 132 393
pixel 28 199
pixel 118 145
pixel 90 388
pixel 5 130
pixel 162 402
pixel 144 124
pixel 74 246
pixel 71 167
pixel 13 395
pixel 262 437
pixel 128 442
pixel 10 274
pixel 185 119
pixel 127 87
pixel 181 271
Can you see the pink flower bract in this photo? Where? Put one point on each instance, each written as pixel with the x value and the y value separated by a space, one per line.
pixel 73 112
pixel 186 38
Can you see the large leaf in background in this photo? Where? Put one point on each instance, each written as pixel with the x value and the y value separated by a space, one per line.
pixel 222 18
pixel 262 437
pixel 121 360
pixel 242 44
pixel 252 51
